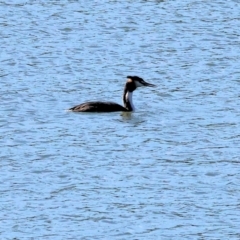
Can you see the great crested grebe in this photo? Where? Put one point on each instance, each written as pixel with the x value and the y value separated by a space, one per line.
pixel 131 84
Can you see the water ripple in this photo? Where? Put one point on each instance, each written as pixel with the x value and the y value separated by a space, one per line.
pixel 169 170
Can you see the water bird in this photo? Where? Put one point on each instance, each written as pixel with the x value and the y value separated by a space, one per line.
pixel 132 83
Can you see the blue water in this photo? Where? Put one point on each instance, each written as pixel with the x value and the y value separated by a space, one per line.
pixel 170 170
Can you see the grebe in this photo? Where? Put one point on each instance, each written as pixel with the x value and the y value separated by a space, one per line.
pixel 131 84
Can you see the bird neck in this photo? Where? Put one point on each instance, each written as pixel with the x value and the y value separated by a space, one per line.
pixel 127 100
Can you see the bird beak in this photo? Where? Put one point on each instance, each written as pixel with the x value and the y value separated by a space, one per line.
pixel 145 84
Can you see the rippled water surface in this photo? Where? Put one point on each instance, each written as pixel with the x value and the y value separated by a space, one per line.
pixel 170 170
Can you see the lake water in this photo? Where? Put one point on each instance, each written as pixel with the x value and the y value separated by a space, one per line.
pixel 170 170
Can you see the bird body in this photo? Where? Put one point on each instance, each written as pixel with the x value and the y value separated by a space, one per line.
pixel 98 107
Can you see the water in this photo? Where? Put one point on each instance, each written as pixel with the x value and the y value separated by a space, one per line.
pixel 170 170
